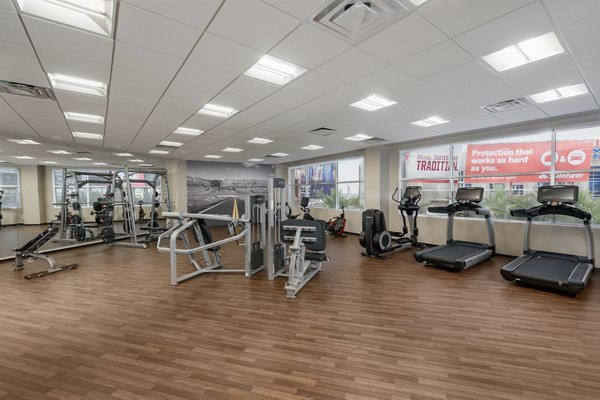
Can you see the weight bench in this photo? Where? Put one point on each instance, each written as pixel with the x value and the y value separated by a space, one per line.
pixel 307 241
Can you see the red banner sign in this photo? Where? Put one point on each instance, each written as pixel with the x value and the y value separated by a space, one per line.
pixel 517 158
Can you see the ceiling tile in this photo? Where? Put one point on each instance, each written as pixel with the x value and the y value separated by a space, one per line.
pixel 459 75
pixel 546 72
pixel 351 65
pixel 381 80
pixel 529 113
pixel 68 41
pixel 299 9
pixel 263 30
pixel 475 118
pixel 393 43
pixel 435 59
pixel 11 29
pixel 19 64
pixel 569 105
pixel 203 75
pixel 566 13
pixel 82 99
pixel 347 95
pixel 194 94
pixel 224 54
pixel 308 47
pixel 588 56
pixel 84 108
pixel 7 5
pixel 11 122
pixel 152 31
pixel 250 87
pixel 139 80
pixel 190 12
pixel 62 64
pixel 525 23
pixel 476 94
pixel 584 33
pixel 411 90
pixel 147 61
pixel 314 83
pixel 288 98
pixel 454 17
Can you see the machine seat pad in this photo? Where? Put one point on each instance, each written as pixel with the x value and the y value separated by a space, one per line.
pixel 312 256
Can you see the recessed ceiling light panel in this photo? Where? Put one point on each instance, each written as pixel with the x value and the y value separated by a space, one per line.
pixel 170 144
pixel 212 156
pixel 58 151
pixel 372 103
pixel 312 147
pixel 87 135
pixel 216 110
pixel 137 160
pixel 23 157
pixel 560 93
pixel 82 159
pixel 78 85
pixel 258 140
pixel 359 137
pixel 232 149
pixel 279 154
pixel 49 162
pixel 525 52
pixel 188 131
pixel 79 117
pixel 123 154
pixel 256 159
pixel 163 152
pixel 275 70
pixel 23 141
pixel 430 121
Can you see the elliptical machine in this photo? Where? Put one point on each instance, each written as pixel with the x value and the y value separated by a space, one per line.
pixel 375 237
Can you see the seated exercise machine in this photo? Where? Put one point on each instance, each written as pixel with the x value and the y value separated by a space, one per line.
pixel 457 255
pixel 30 251
pixel 307 242
pixel 564 272
pixel 375 237
pixel 295 247
pixel 251 232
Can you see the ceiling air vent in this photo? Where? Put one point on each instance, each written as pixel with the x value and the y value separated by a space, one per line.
pixel 322 131
pixel 506 105
pixel 355 20
pixel 373 140
pixel 23 89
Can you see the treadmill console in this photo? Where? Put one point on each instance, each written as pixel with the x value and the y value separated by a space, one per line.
pixel 469 195
pixel 558 194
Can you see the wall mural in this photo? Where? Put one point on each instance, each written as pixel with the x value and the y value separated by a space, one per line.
pixel 212 187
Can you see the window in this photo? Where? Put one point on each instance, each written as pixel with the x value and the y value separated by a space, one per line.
pixel 509 168
pixel 9 184
pixel 88 193
pixel 332 184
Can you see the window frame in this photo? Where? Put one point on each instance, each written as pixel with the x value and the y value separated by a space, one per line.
pixel 17 171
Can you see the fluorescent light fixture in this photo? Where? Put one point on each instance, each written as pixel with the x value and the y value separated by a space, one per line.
pixel 359 137
pixel 279 154
pixel 158 152
pixel 217 110
pixel 87 135
pixel 417 3
pixel 92 119
pixel 232 149
pixel 212 156
pixel 23 141
pixel 146 165
pixel 188 131
pixel 256 159
pixel 374 102
pixel 430 121
pixel 58 151
pixel 136 160
pixel 525 52
pixel 49 162
pixel 79 85
pixel 312 147
pixel 100 163
pixel 123 154
pixel 170 144
pixel 82 159
pixel 275 70
pixel 92 7
pixel 258 140
pixel 23 157
pixel 560 93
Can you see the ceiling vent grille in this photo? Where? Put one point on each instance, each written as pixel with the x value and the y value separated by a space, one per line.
pixel 506 105
pixel 23 89
pixel 355 20
pixel 322 131
pixel 167 148
pixel 374 140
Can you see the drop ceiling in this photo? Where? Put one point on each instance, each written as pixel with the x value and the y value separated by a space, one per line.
pixel 167 60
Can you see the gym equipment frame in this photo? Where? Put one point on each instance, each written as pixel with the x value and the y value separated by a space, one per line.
pixel 194 222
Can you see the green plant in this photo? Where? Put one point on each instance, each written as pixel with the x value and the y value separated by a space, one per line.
pixel 347 201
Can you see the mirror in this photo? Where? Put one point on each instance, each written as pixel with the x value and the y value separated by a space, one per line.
pixel 36 192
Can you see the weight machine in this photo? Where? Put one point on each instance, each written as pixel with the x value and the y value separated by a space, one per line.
pixel 295 263
pixel 251 232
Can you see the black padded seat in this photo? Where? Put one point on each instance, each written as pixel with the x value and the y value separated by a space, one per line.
pixel 313 249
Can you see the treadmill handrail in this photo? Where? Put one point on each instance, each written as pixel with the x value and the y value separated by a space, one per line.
pixel 549 209
pixel 455 207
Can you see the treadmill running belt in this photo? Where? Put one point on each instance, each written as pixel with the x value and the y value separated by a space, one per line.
pixel 454 252
pixel 546 269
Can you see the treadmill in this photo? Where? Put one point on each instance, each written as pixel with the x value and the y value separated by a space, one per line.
pixel 564 272
pixel 457 255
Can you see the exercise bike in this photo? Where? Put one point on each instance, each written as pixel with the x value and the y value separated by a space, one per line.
pixel 337 225
pixel 303 207
pixel 375 237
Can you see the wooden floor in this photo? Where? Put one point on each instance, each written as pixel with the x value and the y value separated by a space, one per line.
pixel 362 329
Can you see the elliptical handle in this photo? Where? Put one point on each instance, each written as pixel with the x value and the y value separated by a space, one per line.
pixel 394 194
